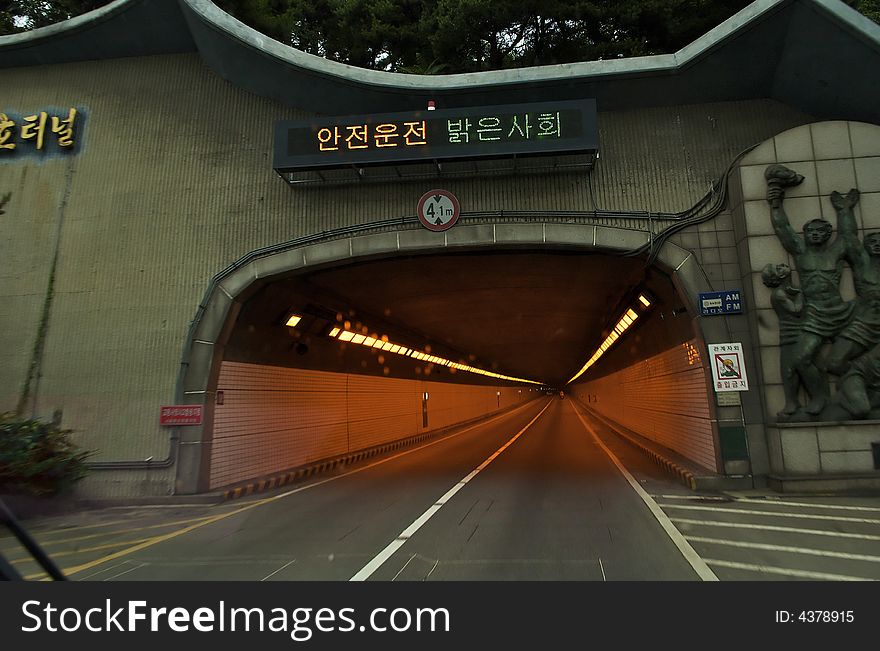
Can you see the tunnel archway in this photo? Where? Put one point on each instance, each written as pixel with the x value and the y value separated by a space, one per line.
pixel 253 285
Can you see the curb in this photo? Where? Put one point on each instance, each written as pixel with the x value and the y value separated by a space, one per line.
pixel 321 467
pixel 327 465
pixel 685 476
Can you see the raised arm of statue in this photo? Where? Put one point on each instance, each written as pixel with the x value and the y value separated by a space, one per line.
pixel 778 178
pixel 786 234
pixel 847 229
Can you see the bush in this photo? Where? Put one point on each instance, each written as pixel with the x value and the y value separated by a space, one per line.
pixel 38 458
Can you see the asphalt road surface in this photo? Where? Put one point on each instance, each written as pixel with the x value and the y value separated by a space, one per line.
pixel 540 493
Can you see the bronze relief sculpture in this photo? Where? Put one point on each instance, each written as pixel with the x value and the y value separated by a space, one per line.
pixel 824 340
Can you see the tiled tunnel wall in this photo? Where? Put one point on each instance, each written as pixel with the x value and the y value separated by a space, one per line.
pixel 275 418
pixel 663 398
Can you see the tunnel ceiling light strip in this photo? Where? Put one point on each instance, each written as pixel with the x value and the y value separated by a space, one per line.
pixel 626 320
pixel 396 349
pixel 292 320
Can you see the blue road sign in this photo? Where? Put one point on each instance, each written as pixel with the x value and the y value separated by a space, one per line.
pixel 728 302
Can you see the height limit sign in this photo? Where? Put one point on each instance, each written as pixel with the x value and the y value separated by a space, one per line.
pixel 438 210
pixel 728 367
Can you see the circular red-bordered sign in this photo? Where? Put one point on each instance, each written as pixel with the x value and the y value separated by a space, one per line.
pixel 438 210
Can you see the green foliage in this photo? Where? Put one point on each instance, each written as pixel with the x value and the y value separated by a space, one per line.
pixel 870 8
pixel 38 458
pixel 448 36
pixel 469 35
pixel 23 15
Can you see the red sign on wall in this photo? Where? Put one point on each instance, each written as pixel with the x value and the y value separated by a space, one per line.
pixel 172 415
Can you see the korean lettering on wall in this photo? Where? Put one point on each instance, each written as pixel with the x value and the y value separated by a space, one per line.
pixel 35 132
pixel 373 136
pixel 509 128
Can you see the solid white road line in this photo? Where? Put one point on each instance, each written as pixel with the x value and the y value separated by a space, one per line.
pixel 400 571
pixel 700 498
pixel 691 556
pixel 801 574
pixel 775 514
pixel 269 576
pixel 761 500
pixel 784 548
pixel 136 567
pixel 769 527
pixel 106 569
pixel 811 506
pixel 367 571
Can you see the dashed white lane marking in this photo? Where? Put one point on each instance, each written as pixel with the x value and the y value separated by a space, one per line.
pixel 267 500
pixel 691 556
pixel 775 514
pixel 131 569
pixel 286 565
pixel 601 567
pixel 770 527
pixel 801 574
pixel 784 548
pixel 367 570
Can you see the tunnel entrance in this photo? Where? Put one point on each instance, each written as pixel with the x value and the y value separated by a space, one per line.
pixel 323 362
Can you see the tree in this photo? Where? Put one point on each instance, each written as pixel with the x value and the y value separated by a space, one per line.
pixel 23 15
pixel 870 8
pixel 433 36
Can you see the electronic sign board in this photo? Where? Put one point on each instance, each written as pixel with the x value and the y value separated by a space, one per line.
pixel 514 130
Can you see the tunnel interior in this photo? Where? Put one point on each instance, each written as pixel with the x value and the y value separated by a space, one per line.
pixel 324 362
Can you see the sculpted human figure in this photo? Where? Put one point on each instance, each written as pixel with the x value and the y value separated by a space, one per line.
pixel 859 389
pixel 819 262
pixel 788 303
pixel 863 332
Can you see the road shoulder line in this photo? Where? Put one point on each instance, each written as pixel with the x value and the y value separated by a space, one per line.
pixel 690 555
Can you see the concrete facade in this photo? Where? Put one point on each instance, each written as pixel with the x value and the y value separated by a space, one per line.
pixel 126 263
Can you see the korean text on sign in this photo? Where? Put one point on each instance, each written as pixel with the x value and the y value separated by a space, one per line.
pixel 35 129
pixel 506 128
pixel 171 415
pixel 181 412
pixel 372 136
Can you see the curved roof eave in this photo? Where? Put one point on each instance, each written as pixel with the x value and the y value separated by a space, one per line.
pixel 225 42
pixel 816 55
pixel 213 17
pixel 123 28
pixel 748 56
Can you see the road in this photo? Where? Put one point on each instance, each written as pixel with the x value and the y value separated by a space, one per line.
pixel 540 493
